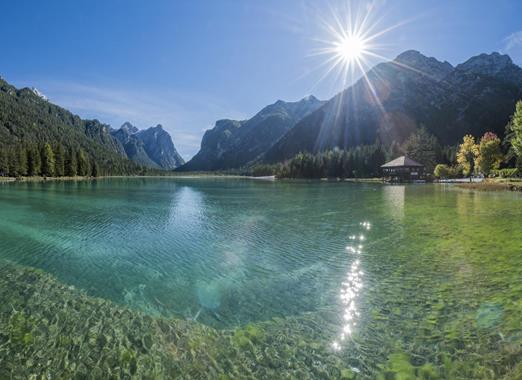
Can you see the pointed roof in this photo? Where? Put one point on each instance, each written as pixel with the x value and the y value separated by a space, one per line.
pixel 401 161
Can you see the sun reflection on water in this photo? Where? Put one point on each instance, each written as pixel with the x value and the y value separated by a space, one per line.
pixel 350 289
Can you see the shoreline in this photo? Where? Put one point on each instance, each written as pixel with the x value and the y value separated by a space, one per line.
pixel 514 185
pixel 508 185
pixel 43 179
pixel 79 178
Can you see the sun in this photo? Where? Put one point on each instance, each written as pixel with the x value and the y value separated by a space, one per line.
pixel 350 41
pixel 350 48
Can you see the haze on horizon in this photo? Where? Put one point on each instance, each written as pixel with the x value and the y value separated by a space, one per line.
pixel 185 64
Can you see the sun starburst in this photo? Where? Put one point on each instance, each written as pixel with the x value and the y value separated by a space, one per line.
pixel 350 48
pixel 350 42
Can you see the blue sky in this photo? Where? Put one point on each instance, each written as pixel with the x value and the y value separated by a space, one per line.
pixel 185 64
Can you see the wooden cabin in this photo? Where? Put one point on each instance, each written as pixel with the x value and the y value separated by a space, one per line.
pixel 403 169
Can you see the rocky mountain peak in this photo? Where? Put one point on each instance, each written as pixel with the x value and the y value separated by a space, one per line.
pixel 426 65
pixel 128 127
pixel 487 64
pixel 233 144
pixel 151 147
pixel 310 99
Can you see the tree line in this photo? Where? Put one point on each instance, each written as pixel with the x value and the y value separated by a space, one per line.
pixel 362 161
pixel 488 156
pixel 359 162
pixel 47 161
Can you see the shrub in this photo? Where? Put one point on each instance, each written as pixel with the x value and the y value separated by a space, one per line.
pixel 507 173
pixel 441 171
pixel 445 171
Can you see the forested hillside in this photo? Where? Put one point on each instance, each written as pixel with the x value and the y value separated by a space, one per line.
pixel 40 138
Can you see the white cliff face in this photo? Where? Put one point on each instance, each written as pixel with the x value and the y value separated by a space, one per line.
pixel 39 94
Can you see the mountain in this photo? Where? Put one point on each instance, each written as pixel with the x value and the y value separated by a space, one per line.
pixel 29 120
pixel 160 148
pixel 399 96
pixel 233 144
pixel 132 145
pixel 152 147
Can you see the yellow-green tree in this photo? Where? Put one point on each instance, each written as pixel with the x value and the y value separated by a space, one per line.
pixel 515 132
pixel 467 155
pixel 490 154
pixel 442 171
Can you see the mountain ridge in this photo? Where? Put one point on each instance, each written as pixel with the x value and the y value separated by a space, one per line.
pixel 399 97
pixel 232 143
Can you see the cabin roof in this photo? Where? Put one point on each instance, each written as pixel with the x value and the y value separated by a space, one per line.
pixel 402 161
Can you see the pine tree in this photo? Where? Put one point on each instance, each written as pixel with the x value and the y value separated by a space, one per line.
pixel 70 166
pixel 48 161
pixel 4 162
pixel 59 164
pixel 14 164
pixel 515 133
pixel 82 163
pixel 422 147
pixel 94 169
pixel 22 161
pixel 516 128
pixel 34 161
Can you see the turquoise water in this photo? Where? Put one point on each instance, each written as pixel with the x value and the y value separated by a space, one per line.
pixel 379 275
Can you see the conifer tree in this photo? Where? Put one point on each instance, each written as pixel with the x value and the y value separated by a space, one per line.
pixel 22 161
pixel 82 163
pixel 70 166
pixel 59 164
pixel 48 161
pixel 4 162
pixel 94 169
pixel 13 164
pixel 515 133
pixel 422 147
pixel 34 162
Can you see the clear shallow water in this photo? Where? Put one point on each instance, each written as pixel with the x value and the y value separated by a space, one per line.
pixel 378 276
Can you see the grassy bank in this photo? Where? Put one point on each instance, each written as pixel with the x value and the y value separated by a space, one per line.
pixel 501 184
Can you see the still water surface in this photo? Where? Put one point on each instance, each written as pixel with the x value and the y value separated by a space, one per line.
pixel 418 268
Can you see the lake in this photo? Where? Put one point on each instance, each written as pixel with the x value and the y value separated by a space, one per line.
pixel 247 278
